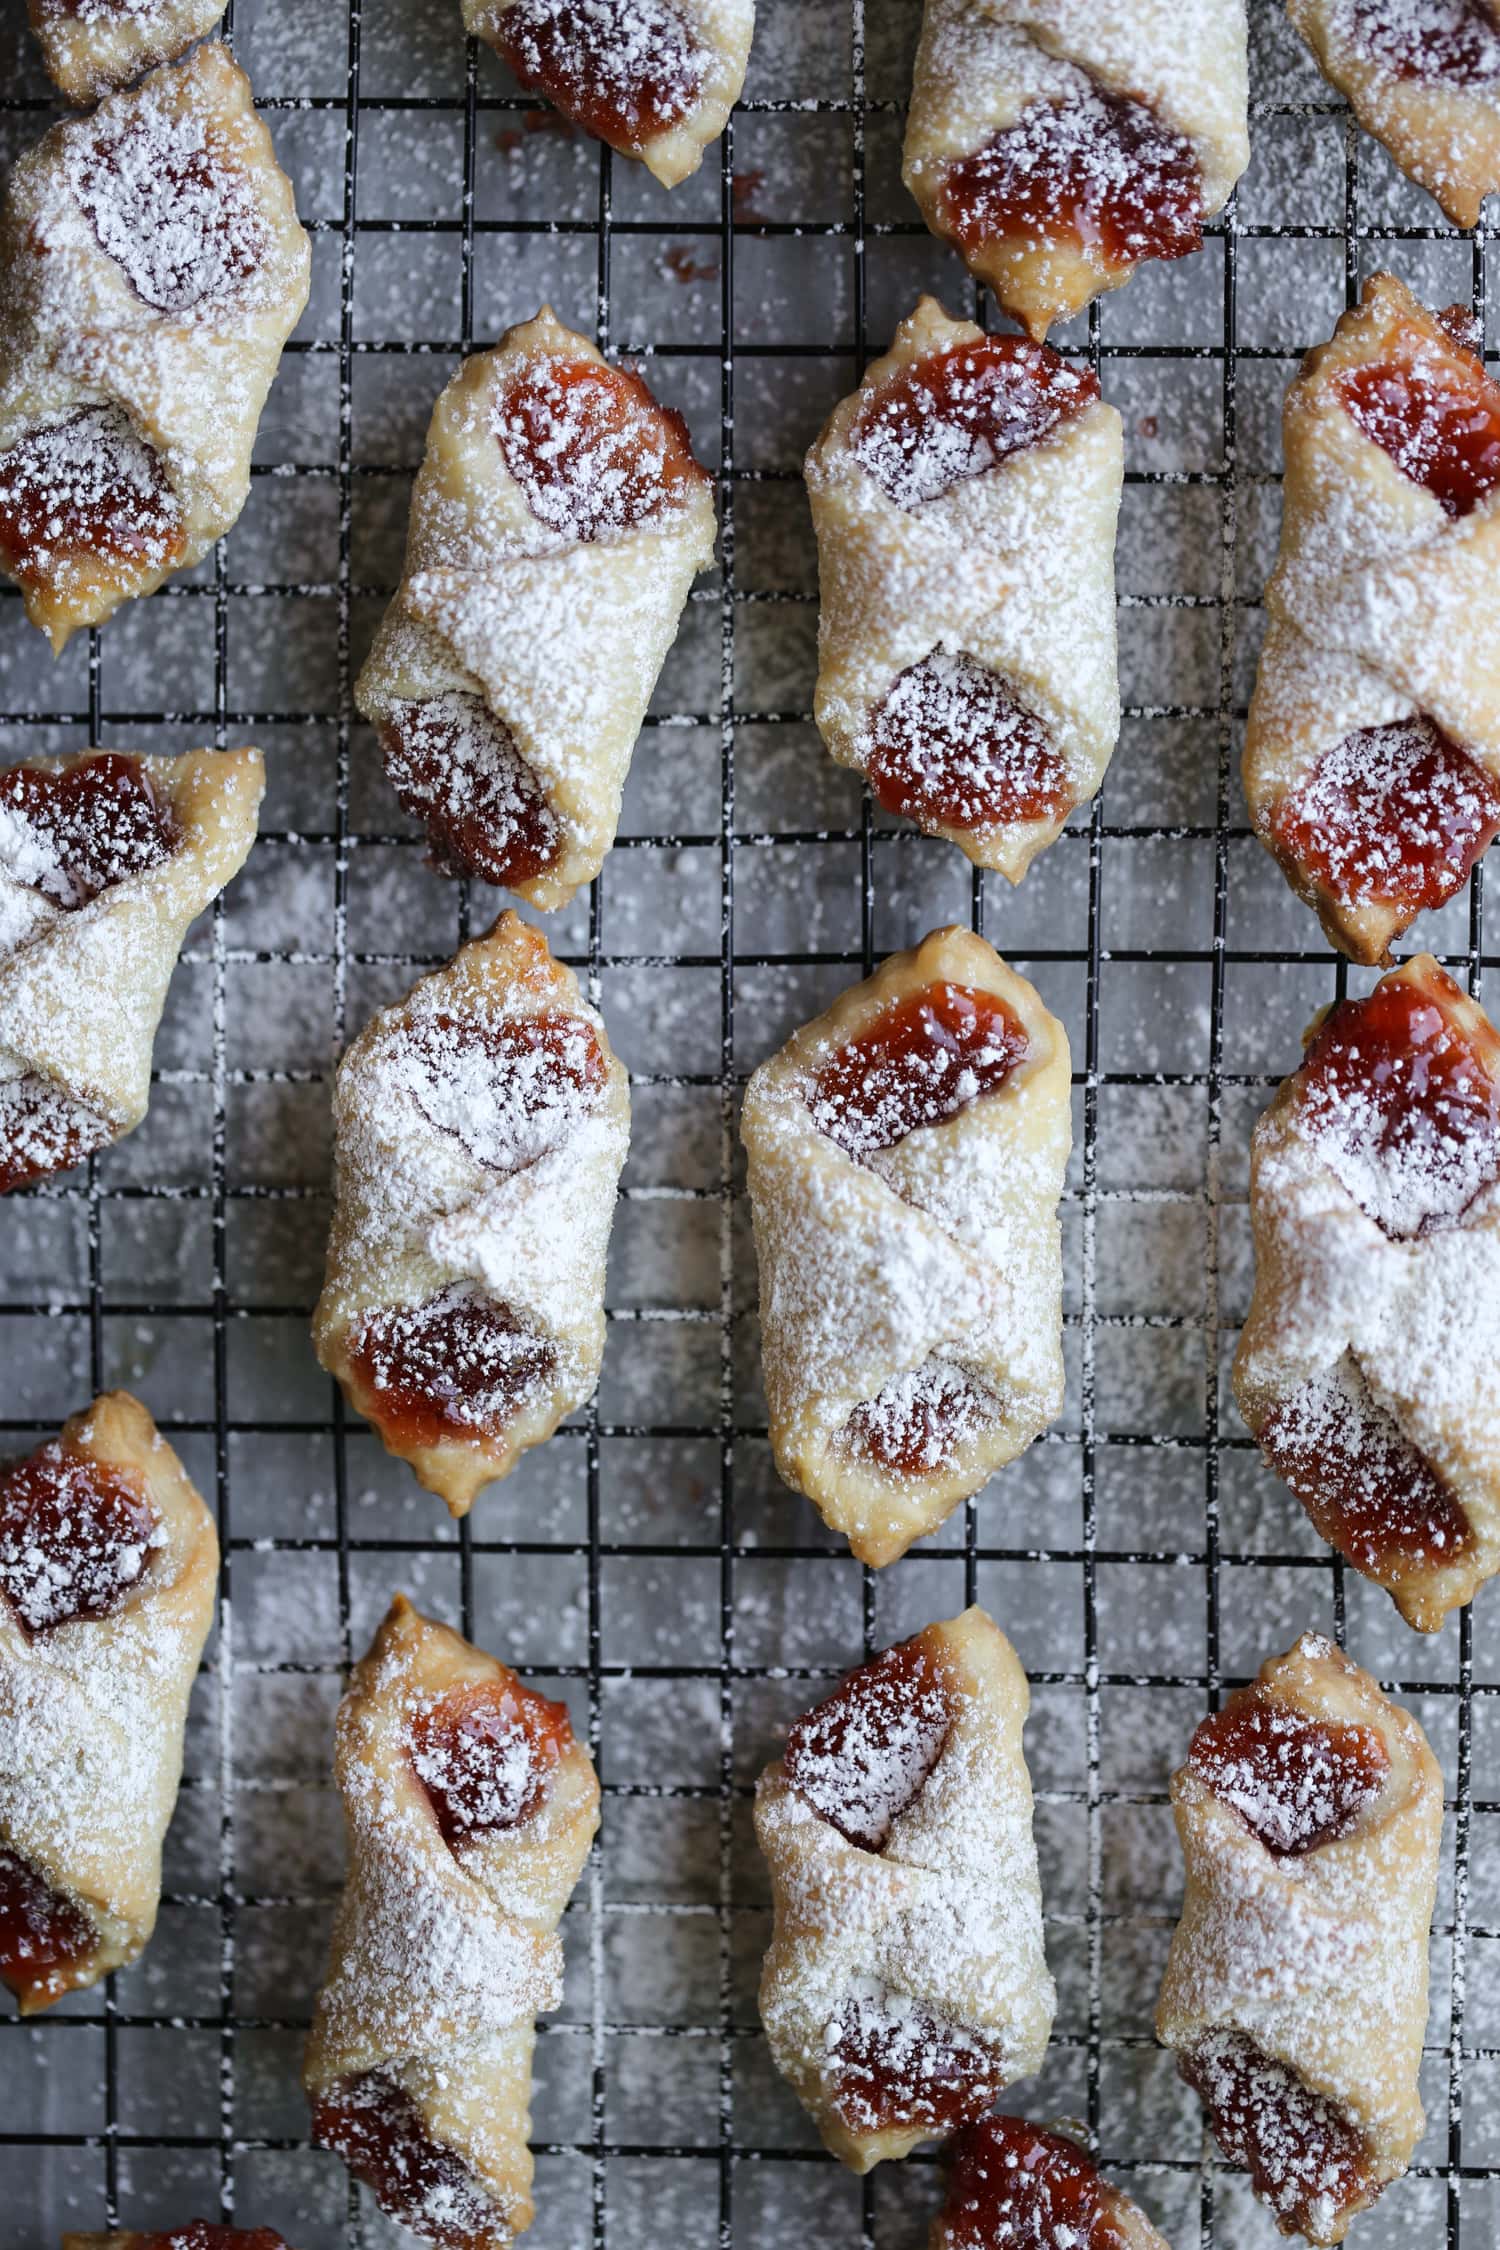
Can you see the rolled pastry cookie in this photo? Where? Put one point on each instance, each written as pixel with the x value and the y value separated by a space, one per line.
pixel 92 50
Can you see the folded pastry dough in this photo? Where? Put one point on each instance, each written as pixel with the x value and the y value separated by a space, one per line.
pixel 108 1574
pixel 1424 77
pixel 1367 1364
pixel 198 2234
pixel 105 860
pixel 469 1807
pixel 1310 1812
pixel 906 1981
pixel 91 50
pixel 964 499
pixel 905 1156
pixel 556 527
pixel 480 1128
pixel 1372 757
pixel 655 78
pixel 1057 143
pixel 1015 2186
pixel 151 268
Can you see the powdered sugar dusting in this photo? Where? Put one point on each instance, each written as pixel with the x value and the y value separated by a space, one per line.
pixel 626 69
pixel 74 1540
pixel 89 484
pixel 183 225
pixel 860 1757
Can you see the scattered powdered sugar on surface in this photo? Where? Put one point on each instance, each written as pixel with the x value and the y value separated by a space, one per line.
pixel 42 1127
pixel 1410 1171
pixel 510 1101
pixel 631 63
pixel 952 735
pixel 455 764
pixel 1391 812
pixel 593 452
pixel 961 416
pixel 183 225
pixel 89 481
pixel 1307 2156
pixel 1456 42
pixel 83 1562
pixel 921 1420
pixel 861 1756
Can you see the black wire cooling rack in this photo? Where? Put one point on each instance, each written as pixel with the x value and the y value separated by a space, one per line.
pixel 1159 1559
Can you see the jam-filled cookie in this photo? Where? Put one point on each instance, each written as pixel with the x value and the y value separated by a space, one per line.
pixel 906 1983
pixel 94 47
pixel 108 1578
pixel 470 1806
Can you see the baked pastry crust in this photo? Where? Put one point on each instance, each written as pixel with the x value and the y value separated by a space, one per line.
pixel 931 1941
pixel 1033 601
pixel 143 320
pixel 1366 1366
pixel 1318 1959
pixel 1444 133
pixel 1016 2186
pixel 91 52
pixel 557 630
pixel 580 57
pixel 484 1181
pixel 983 65
pixel 941 1250
pixel 82 988
pixel 197 2234
pixel 443 1958
pixel 1383 611
pixel 92 1708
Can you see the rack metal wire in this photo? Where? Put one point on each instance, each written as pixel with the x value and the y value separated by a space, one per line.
pixel 1141 1558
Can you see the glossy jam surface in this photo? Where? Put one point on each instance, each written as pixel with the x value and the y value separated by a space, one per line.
pixel 181 224
pixel 76 1538
pixel 456 1367
pixel 922 1060
pixel 456 768
pixel 1366 1488
pixel 1100 174
pixel 88 485
pixel 864 1754
pixel 1295 1782
pixel 1435 412
pixel 486 1754
pixel 949 746
pixel 45 1940
pixel 374 2125
pixel 891 2063
pixel 42 1131
pixel 625 70
pixel 1456 41
pixel 919 1423
pixel 1403 1105
pixel 1305 2157
pixel 961 412
pixel 75 833
pixel 509 1088
pixel 1393 815
pixel 592 450
pixel 1013 2186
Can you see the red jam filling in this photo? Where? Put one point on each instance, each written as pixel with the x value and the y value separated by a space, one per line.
pixel 74 833
pixel 456 768
pixel 1295 1782
pixel 625 70
pixel 1306 2159
pixel 42 1131
pixel 1436 412
pixel 374 2125
pixel 950 747
pixel 921 1061
pixel 45 1940
pixel 593 452
pixel 183 229
pixel 202 2234
pixel 1013 2186
pixel 455 1368
pixel 1100 174
pixel 961 412
pixel 486 1754
pixel 1403 1105
pixel 863 1755
pixel 919 1423
pixel 76 1538
pixel 1454 41
pixel 89 485
pixel 510 1088
pixel 893 2065
pixel 1393 815
pixel 1366 1488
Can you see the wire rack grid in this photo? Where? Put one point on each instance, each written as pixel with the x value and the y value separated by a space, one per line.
pixel 648 1565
